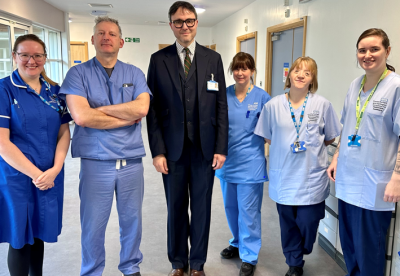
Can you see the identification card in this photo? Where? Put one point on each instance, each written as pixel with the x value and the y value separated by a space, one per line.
pixel 212 85
pixel 354 141
pixel 298 146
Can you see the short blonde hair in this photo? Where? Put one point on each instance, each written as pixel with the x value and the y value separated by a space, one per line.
pixel 312 66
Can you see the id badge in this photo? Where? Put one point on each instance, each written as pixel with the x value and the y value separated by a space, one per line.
pixel 298 146
pixel 212 85
pixel 354 141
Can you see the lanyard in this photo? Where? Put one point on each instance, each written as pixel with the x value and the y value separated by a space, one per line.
pixel 301 116
pixel 247 93
pixel 59 108
pixel 359 114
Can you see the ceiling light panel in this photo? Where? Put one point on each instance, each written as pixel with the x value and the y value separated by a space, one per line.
pixel 94 5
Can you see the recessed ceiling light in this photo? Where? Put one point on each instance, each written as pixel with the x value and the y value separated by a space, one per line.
pixel 95 5
pixel 199 9
pixel 98 13
pixel 162 23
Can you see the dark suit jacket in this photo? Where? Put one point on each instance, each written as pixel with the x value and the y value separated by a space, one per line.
pixel 165 119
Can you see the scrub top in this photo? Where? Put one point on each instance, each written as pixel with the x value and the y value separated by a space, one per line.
pixel 245 162
pixel 91 81
pixel 363 172
pixel 298 178
pixel 25 211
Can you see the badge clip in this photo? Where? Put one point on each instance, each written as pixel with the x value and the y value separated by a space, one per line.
pixel 298 146
pixel 212 85
pixel 354 141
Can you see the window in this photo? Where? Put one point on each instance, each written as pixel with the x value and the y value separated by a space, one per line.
pixel 5 51
pixel 54 61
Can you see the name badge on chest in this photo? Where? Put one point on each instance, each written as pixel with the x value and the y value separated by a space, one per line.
pixel 298 146
pixel 354 141
pixel 212 85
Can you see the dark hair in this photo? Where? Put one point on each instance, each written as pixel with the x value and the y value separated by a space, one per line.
pixel 312 66
pixel 385 40
pixel 32 37
pixel 181 4
pixel 243 61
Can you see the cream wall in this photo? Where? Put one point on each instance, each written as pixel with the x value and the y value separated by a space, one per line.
pixel 333 29
pixel 36 11
pixel 137 54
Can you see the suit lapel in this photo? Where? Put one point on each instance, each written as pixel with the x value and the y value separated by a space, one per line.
pixel 172 63
pixel 201 62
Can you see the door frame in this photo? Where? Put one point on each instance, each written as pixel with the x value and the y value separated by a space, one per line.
pixel 300 22
pixel 243 38
pixel 85 44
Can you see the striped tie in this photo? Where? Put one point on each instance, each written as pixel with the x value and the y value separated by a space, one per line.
pixel 187 61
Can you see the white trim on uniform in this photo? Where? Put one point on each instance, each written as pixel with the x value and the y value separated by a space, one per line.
pixel 12 81
pixel 2 116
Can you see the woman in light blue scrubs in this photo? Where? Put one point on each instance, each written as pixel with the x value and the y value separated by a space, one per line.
pixel 365 168
pixel 299 125
pixel 34 140
pixel 243 175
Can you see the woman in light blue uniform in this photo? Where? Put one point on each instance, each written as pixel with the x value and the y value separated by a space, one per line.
pixel 298 126
pixel 34 140
pixel 365 169
pixel 243 175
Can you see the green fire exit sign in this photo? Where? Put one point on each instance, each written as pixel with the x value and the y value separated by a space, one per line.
pixel 132 39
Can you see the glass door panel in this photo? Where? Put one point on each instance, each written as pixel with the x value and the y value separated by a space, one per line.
pixel 5 51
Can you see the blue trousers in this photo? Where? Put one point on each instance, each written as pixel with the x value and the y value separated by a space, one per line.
pixel 243 211
pixel 363 239
pixel 99 180
pixel 299 226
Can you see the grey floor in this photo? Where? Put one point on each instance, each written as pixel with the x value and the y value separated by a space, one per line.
pixel 63 258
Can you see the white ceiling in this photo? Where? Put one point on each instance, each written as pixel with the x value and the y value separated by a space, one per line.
pixel 148 12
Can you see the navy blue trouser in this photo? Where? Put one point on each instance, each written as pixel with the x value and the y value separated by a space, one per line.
pixel 363 238
pixel 191 177
pixel 299 226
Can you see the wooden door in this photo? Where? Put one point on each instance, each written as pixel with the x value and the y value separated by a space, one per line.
pixel 79 52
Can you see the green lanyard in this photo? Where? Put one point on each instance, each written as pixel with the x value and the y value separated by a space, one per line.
pixel 359 114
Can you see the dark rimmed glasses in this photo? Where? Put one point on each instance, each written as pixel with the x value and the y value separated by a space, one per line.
pixel 26 57
pixel 179 23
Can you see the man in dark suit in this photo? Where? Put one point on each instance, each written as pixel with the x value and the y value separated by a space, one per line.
pixel 187 124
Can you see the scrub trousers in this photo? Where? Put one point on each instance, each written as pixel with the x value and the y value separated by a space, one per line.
pixel 243 211
pixel 299 226
pixel 99 180
pixel 363 238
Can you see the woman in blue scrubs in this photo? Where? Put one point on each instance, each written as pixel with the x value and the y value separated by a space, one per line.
pixel 243 175
pixel 299 125
pixel 34 140
pixel 365 167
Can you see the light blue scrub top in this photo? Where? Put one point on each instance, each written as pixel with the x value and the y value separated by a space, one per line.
pixel 245 162
pixel 91 81
pixel 298 178
pixel 363 172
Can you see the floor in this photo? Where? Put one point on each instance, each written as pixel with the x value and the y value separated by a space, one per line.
pixel 63 258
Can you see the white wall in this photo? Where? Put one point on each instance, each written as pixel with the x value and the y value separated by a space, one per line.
pixel 333 30
pixel 36 11
pixel 137 54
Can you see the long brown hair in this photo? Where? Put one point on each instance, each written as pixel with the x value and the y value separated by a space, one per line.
pixel 385 40
pixel 32 37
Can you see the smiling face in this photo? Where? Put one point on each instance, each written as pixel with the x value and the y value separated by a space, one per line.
pixel 184 35
pixel 242 75
pixel 30 69
pixel 372 55
pixel 301 77
pixel 106 39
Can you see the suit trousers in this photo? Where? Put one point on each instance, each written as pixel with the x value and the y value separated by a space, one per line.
pixel 190 179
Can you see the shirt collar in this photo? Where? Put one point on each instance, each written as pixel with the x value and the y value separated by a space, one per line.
pixel 191 47
pixel 16 80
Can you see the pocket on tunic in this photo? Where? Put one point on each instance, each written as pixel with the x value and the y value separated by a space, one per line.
pixel 251 122
pixel 374 188
pixel 127 94
pixel 85 147
pixel 312 135
pixel 372 127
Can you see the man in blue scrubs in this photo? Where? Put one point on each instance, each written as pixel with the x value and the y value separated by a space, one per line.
pixel 107 99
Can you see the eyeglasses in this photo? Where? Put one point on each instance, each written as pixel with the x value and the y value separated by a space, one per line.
pixel 179 23
pixel 36 57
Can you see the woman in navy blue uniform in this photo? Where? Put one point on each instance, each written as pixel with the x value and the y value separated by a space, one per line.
pixel 34 141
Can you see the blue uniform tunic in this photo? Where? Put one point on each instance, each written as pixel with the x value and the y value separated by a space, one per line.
pixel 90 80
pixel 298 178
pixel 245 162
pixel 25 211
pixel 363 172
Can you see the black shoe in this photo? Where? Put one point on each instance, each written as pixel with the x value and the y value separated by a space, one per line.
pixel 294 271
pixel 230 252
pixel 247 269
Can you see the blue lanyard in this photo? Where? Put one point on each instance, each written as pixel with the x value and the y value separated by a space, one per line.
pixel 59 109
pixel 301 116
